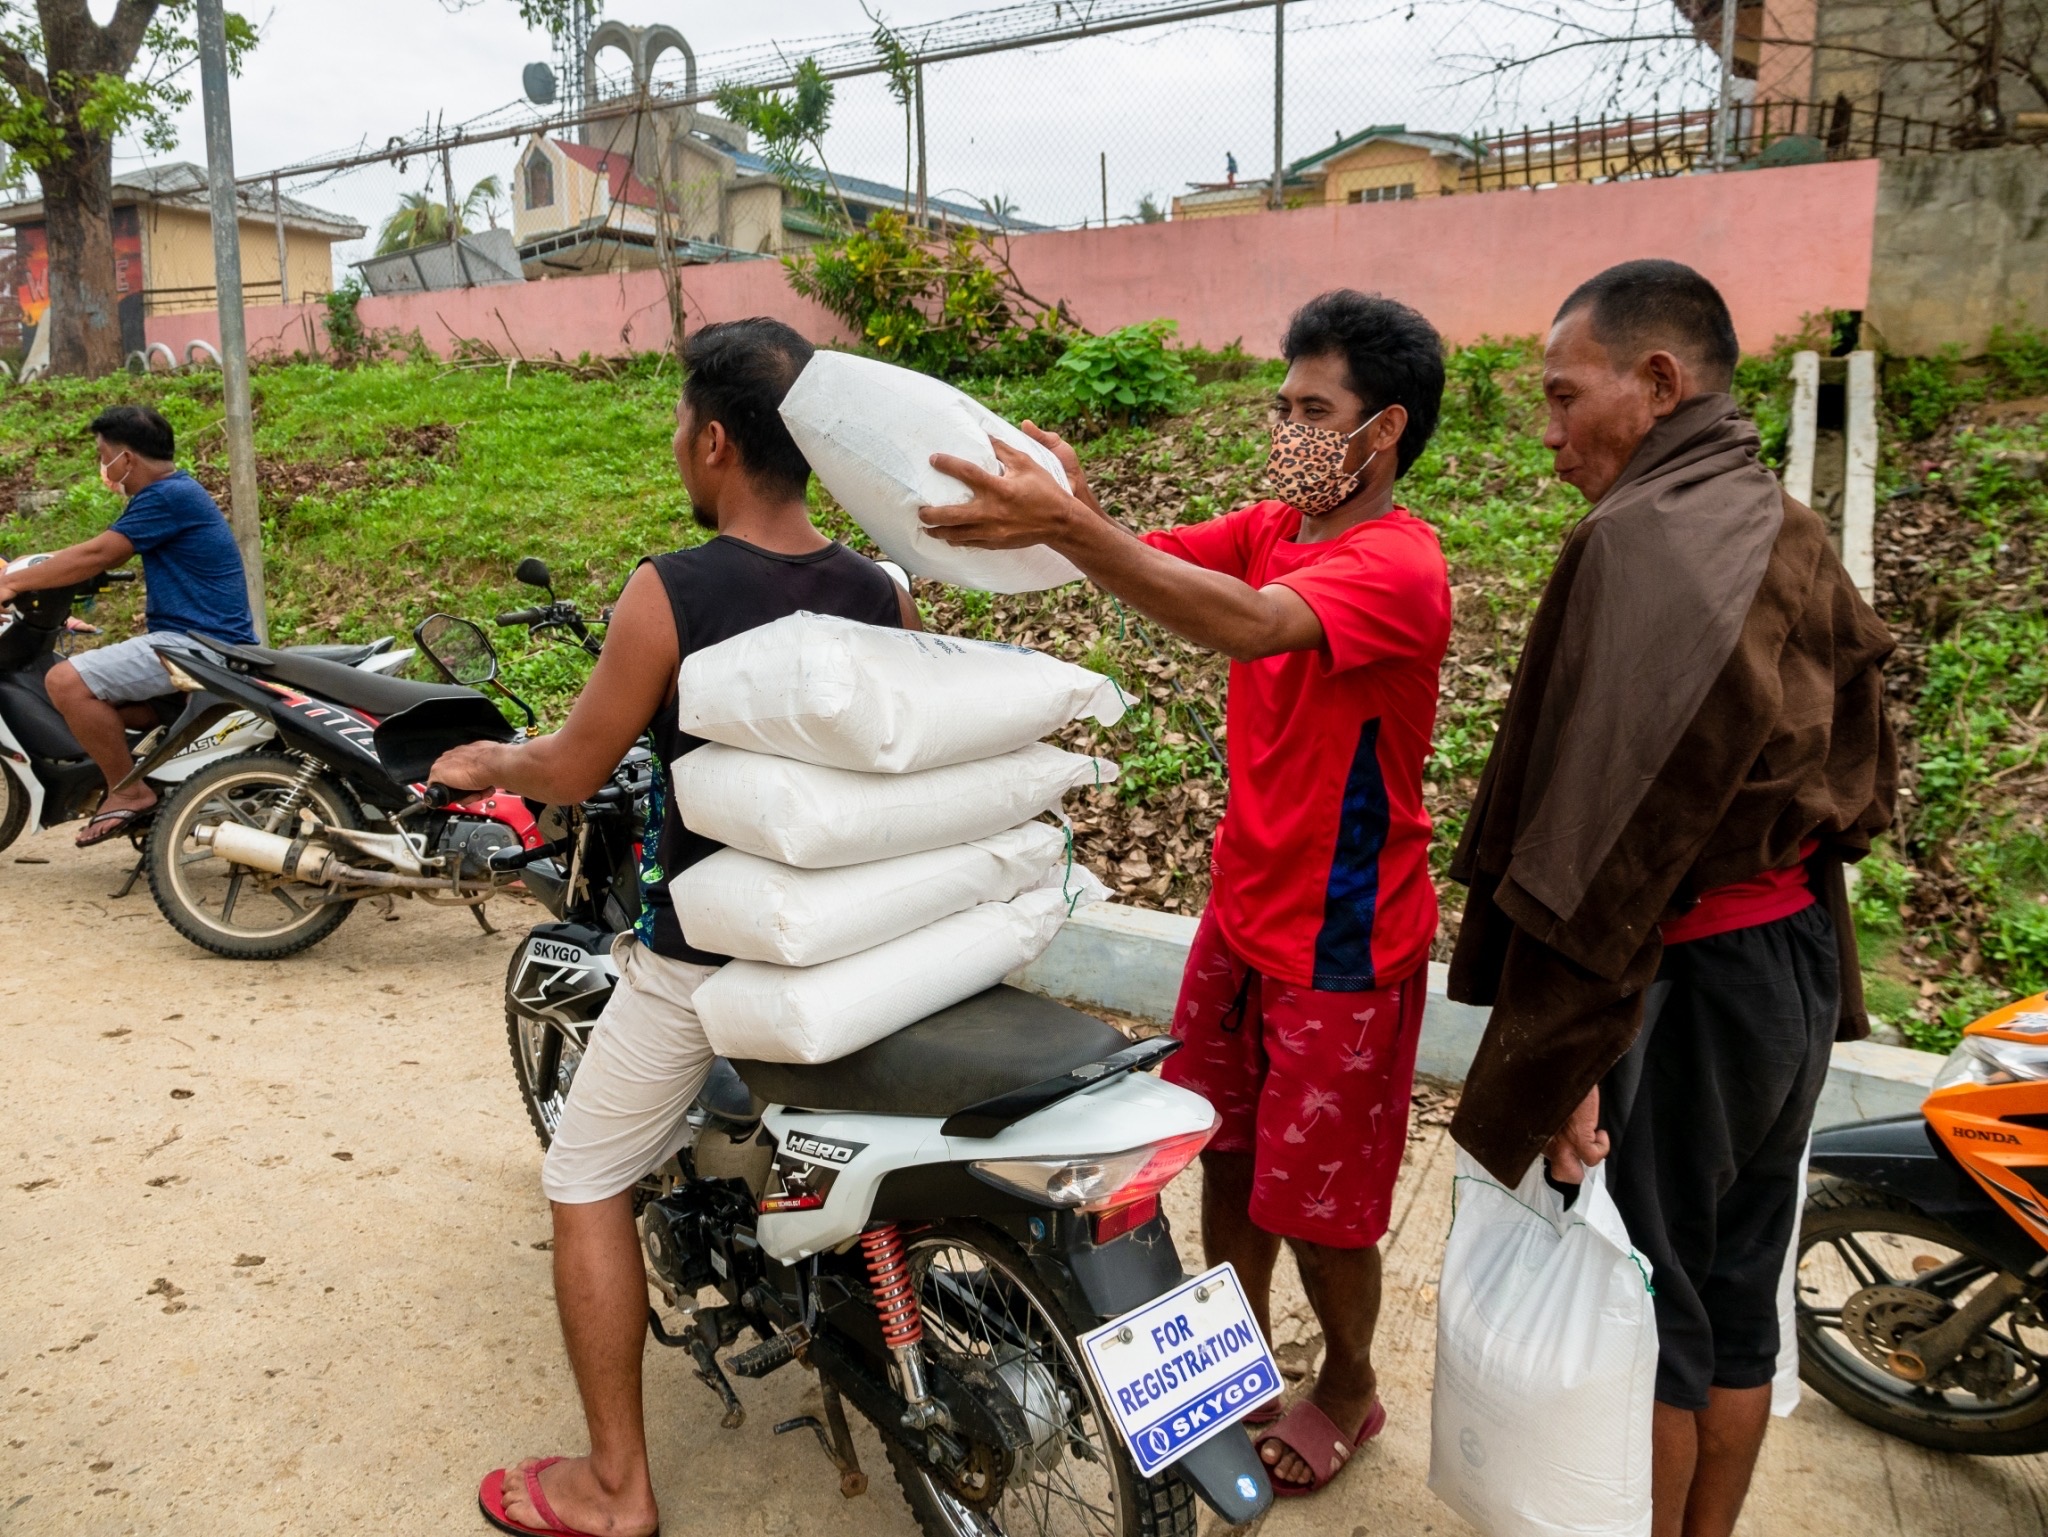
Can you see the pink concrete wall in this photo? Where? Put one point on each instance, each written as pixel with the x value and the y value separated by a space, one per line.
pixel 1782 245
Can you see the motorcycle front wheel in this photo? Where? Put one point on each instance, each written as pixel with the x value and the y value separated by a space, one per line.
pixel 988 1310
pixel 228 908
pixel 1873 1271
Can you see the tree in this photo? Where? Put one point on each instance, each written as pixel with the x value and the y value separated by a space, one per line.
pixel 68 88
pixel 789 125
pixel 421 219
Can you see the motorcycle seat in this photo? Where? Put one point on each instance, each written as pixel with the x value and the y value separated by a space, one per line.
pixel 370 692
pixel 36 724
pixel 990 1045
pixel 346 656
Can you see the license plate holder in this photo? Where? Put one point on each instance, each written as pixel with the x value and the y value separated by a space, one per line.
pixel 1182 1368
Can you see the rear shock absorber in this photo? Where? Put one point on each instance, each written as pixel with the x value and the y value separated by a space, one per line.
pixel 902 1323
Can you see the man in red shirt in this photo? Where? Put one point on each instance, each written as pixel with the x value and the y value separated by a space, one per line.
pixel 1303 994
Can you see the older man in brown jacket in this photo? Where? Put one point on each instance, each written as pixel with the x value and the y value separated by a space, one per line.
pixel 1694 746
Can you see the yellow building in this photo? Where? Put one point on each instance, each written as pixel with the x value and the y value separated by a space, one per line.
pixel 1385 164
pixel 163 247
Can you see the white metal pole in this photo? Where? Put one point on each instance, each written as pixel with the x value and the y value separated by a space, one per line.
pixel 1859 483
pixel 284 287
pixel 244 516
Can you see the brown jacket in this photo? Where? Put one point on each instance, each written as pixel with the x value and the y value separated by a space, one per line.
pixel 1700 693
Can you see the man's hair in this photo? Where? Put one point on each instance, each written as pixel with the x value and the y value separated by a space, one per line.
pixel 739 370
pixel 141 429
pixel 1392 357
pixel 1652 305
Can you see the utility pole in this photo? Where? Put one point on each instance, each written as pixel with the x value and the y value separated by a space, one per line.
pixel 455 216
pixel 1105 189
pixel 245 517
pixel 1279 195
pixel 1723 138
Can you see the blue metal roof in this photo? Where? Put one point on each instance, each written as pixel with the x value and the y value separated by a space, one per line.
pixel 881 194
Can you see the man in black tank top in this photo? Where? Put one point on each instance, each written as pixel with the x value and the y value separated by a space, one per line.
pixel 648 1055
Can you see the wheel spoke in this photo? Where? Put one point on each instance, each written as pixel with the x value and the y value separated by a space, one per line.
pixel 290 906
pixel 227 903
pixel 1867 1271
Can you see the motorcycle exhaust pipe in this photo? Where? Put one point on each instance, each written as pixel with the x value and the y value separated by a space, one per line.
pixel 293 857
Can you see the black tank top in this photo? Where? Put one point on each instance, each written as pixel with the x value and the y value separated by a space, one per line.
pixel 716 591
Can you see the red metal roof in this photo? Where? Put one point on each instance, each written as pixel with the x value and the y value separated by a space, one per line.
pixel 617 169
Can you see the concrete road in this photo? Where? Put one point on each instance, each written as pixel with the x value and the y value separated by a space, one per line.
pixel 268 1251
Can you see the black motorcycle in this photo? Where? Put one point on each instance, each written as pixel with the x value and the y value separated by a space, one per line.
pixel 47 779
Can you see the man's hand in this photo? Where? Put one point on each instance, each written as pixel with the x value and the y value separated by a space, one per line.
pixel 7 592
pixel 1020 507
pixel 1581 1143
pixel 472 766
pixel 1070 461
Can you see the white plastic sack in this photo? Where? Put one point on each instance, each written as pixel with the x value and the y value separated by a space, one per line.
pixel 820 818
pixel 861 696
pixel 765 1013
pixel 1546 1362
pixel 755 909
pixel 869 429
pixel 1785 1380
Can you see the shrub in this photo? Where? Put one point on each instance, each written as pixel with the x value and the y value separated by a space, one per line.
pixel 946 305
pixel 1474 370
pixel 1117 380
pixel 1922 392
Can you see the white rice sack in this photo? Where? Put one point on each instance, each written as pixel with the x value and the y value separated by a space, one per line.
pixel 757 1012
pixel 757 910
pixel 819 818
pixel 882 700
pixel 869 429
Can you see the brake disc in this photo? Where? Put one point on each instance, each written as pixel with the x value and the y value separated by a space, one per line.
pixel 1036 1393
pixel 1880 1319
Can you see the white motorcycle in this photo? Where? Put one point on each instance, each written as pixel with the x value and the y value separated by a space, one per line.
pixel 46 778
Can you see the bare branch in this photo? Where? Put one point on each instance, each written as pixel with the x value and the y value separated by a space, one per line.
pixel 123 35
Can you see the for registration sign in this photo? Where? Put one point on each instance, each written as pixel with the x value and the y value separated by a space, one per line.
pixel 1182 1368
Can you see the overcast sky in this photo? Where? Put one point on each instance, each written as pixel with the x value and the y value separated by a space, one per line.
pixel 1164 105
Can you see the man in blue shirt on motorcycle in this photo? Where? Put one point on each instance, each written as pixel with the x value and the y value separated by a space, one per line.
pixel 196 585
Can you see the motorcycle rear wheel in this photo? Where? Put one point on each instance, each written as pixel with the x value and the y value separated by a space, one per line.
pixel 13 806
pixel 202 895
pixel 983 1300
pixel 545 1056
pixel 1853 1238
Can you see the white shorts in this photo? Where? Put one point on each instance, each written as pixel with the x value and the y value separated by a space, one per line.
pixel 629 1103
pixel 129 671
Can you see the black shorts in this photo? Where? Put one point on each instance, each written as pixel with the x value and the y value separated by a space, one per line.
pixel 1709 1114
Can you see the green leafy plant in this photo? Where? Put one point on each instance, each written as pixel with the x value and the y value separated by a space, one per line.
pixel 346 338
pixel 790 126
pixel 1921 393
pixel 1119 379
pixel 932 302
pixel 2019 360
pixel 1474 369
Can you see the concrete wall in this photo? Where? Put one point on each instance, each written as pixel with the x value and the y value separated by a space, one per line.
pixel 1783 244
pixel 1128 961
pixel 1961 245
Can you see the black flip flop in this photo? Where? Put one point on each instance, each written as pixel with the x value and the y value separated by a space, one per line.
pixel 128 819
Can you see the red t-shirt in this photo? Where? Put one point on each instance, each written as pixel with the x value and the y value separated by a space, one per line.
pixel 1763 898
pixel 1321 866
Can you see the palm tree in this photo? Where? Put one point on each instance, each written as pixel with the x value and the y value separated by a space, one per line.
pixel 422 220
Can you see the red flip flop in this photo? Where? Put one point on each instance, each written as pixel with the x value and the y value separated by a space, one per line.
pixel 1314 1437
pixel 490 1499
pixel 1266 1413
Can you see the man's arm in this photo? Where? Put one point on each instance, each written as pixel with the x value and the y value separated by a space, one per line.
pixel 74 564
pixel 631 680
pixel 1025 506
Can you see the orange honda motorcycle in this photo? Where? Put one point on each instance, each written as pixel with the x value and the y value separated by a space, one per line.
pixel 1923 1252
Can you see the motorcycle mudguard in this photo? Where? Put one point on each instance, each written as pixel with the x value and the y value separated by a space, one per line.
pixel 1125 1273
pixel 1899 1157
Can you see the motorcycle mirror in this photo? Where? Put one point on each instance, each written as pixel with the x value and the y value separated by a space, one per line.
pixel 461 650
pixel 533 572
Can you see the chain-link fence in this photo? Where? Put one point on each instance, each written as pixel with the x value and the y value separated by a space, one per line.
pixel 1049 114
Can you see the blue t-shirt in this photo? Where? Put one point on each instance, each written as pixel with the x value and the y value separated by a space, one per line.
pixel 190 564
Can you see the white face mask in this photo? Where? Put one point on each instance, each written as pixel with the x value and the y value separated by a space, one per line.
pixel 107 476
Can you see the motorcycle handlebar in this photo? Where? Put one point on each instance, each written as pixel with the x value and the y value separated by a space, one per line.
pixel 119 576
pixel 522 616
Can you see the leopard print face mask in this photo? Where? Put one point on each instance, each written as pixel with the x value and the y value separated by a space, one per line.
pixel 1305 467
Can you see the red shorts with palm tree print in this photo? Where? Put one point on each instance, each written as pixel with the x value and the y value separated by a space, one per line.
pixel 1313 1085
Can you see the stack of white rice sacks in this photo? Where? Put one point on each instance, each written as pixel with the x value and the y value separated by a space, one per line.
pixel 879 794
